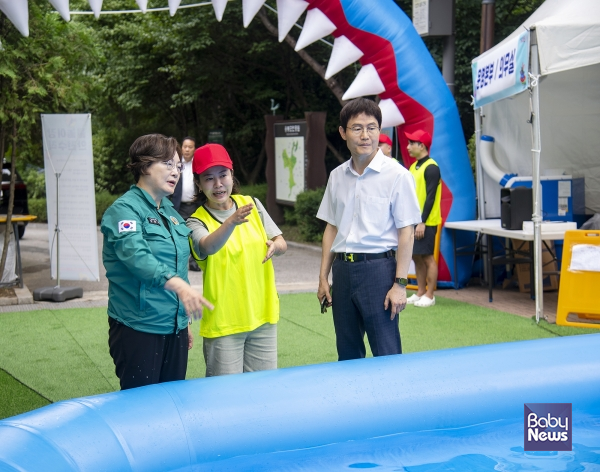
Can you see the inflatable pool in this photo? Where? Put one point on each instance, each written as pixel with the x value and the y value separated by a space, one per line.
pixel 458 409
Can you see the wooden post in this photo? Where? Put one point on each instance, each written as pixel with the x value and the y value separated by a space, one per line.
pixel 316 145
pixel 275 211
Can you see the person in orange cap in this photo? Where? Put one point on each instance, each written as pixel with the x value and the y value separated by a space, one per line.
pixel 233 240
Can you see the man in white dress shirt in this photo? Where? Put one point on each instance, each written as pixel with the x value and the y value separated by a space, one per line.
pixel 185 192
pixel 370 206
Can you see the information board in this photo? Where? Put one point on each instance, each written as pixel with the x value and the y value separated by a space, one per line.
pixel 290 160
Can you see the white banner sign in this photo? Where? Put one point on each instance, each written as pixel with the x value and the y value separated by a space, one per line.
pixel 68 155
pixel 502 72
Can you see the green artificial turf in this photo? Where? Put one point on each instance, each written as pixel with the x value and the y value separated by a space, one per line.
pixel 63 354
pixel 16 398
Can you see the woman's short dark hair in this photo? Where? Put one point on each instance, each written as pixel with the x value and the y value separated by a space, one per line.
pixel 148 149
pixel 200 198
pixel 356 107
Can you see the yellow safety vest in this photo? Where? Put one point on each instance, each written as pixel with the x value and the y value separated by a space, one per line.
pixel 435 216
pixel 235 280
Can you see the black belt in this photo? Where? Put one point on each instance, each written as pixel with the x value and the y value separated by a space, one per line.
pixel 362 256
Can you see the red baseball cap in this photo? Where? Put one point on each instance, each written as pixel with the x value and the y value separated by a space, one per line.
pixel 420 136
pixel 210 155
pixel 385 139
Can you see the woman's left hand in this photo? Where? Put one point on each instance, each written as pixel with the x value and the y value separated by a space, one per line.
pixel 192 300
pixel 275 247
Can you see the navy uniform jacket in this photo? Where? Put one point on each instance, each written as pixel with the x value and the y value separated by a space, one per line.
pixel 143 248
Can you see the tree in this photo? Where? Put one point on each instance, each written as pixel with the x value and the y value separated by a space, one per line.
pixel 44 73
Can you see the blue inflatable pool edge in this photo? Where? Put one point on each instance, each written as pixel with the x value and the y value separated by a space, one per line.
pixel 183 425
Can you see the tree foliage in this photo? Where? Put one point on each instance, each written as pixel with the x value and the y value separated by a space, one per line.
pixel 44 73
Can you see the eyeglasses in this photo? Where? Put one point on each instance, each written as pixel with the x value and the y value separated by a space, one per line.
pixel 358 130
pixel 171 163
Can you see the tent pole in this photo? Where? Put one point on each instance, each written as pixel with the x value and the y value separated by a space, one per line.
pixel 534 87
pixel 478 171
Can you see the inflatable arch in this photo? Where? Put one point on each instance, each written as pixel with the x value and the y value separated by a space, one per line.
pixel 379 35
pixel 458 409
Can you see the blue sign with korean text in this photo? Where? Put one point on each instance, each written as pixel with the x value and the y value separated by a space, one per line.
pixel 502 72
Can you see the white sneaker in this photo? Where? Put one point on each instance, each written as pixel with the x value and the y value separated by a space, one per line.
pixel 425 302
pixel 412 299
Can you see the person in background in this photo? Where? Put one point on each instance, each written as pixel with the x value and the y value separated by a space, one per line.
pixel 145 254
pixel 370 207
pixel 184 196
pixel 233 239
pixel 385 144
pixel 429 192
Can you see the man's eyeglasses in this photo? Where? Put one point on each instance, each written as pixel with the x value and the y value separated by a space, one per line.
pixel 171 163
pixel 358 130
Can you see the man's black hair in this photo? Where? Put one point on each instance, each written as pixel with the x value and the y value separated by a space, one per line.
pixel 358 106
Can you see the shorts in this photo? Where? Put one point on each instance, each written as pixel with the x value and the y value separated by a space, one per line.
pixel 425 246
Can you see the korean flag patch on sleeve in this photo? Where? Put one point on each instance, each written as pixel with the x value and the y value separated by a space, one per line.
pixel 126 225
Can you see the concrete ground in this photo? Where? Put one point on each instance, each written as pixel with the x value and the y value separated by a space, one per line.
pixel 295 271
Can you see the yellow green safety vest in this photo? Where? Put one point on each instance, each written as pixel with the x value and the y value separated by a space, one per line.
pixel 235 280
pixel 435 216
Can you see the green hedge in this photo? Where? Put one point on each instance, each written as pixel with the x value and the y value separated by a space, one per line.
pixel 257 191
pixel 37 206
pixel 103 201
pixel 307 205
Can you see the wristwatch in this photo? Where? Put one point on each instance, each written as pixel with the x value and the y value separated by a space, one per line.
pixel 402 281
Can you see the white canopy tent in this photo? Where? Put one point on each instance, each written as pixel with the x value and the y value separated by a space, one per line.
pixel 554 126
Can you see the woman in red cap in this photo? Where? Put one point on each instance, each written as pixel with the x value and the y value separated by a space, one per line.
pixel 233 240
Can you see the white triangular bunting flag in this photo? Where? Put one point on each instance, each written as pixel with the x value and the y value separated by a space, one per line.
pixel 343 54
pixel 173 6
pixel 96 6
pixel 367 82
pixel 316 26
pixel 18 14
pixel 250 9
pixel 390 113
pixel 143 4
pixel 62 7
pixel 288 12
pixel 219 7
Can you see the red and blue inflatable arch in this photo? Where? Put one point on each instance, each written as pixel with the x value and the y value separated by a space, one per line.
pixel 414 83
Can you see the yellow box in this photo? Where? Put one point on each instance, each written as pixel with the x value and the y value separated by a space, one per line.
pixel 578 300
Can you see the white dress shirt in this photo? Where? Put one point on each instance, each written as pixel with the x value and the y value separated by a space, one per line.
pixel 187 183
pixel 368 209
